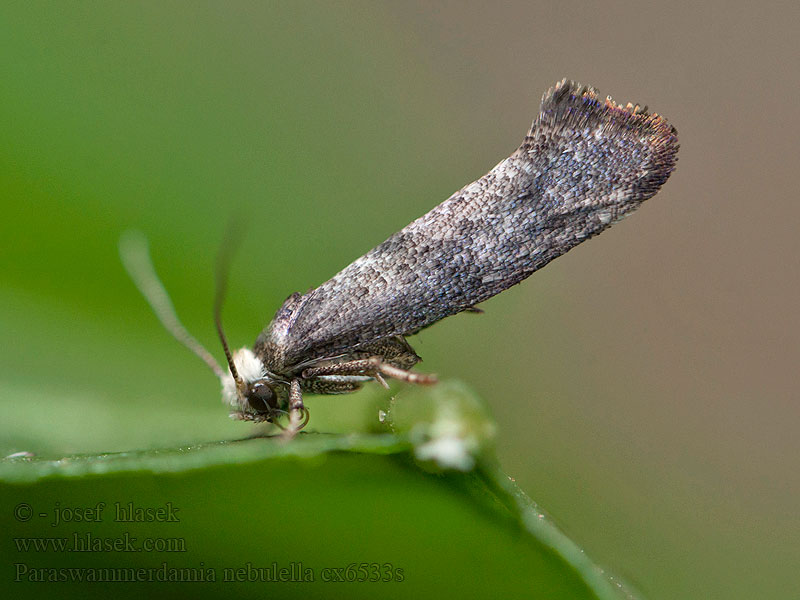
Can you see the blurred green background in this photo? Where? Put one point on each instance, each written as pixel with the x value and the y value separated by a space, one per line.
pixel 645 385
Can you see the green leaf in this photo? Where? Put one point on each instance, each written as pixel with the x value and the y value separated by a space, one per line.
pixel 419 500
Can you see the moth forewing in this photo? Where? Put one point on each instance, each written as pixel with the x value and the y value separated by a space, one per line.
pixel 584 164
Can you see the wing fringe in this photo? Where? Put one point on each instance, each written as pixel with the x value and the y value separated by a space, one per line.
pixel 571 108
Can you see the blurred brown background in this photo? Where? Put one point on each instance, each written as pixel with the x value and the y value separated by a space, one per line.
pixel 645 384
pixel 663 420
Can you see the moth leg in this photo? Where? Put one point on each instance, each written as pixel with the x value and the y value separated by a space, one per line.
pixel 298 413
pixel 334 384
pixel 379 378
pixel 351 367
pixel 395 351
pixel 383 368
pixel 373 366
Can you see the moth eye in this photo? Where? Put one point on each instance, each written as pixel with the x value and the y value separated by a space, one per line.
pixel 261 397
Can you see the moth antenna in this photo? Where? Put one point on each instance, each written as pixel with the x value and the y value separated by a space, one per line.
pixel 224 259
pixel 135 256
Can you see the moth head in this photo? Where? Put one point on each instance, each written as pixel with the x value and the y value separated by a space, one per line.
pixel 248 389
pixel 247 386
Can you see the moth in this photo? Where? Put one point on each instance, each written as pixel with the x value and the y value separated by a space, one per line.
pixel 585 164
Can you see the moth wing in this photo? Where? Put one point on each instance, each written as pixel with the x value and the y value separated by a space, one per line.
pixel 585 163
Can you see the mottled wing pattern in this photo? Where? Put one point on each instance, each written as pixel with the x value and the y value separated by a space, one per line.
pixel 585 163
